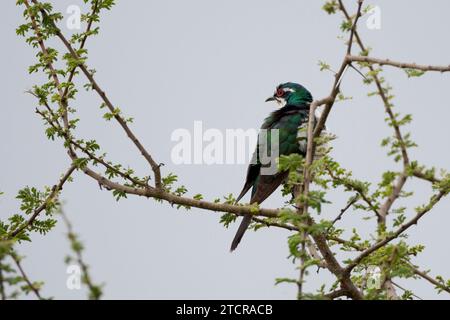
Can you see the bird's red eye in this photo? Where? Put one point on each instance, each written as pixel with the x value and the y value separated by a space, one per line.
pixel 279 92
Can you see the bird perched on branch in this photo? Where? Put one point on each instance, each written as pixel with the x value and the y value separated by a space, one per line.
pixel 294 101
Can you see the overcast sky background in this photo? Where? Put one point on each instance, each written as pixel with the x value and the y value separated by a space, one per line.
pixel 169 63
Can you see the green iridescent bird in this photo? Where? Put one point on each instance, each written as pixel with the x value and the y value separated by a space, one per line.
pixel 294 101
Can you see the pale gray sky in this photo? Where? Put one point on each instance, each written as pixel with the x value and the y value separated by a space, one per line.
pixel 169 63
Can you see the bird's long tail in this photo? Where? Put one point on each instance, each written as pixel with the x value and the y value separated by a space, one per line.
pixel 246 220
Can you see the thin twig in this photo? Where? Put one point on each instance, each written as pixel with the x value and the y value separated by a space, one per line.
pixel 30 284
pixel 398 64
pixel 2 286
pixel 405 290
pixel 51 197
pixel 343 210
pixel 329 101
pixel 420 175
pixel 122 122
pixel 49 65
pixel 94 290
pixel 358 190
pixel 83 42
pixel 336 294
pixel 275 224
pixel 435 199
pixel 431 280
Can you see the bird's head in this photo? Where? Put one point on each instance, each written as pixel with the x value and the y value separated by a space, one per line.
pixel 291 94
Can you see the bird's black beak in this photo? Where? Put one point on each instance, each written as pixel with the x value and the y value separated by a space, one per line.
pixel 270 99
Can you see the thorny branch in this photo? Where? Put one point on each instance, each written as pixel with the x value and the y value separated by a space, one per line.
pixel 326 256
pixel 403 176
pixel 431 280
pixel 435 199
pixel 2 285
pixel 148 191
pixel 398 64
pixel 51 197
pixel 94 290
pixel 312 132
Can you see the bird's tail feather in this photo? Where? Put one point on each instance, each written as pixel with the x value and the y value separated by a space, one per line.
pixel 246 220
pixel 243 192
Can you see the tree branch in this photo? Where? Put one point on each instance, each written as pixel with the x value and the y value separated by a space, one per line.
pixel 183 201
pixel 2 285
pixel 313 132
pixel 69 139
pixel 329 101
pixel 155 166
pixel 336 294
pixel 431 280
pixel 380 90
pixel 402 288
pixel 82 44
pixel 122 122
pixel 32 287
pixel 94 290
pixel 343 210
pixel 49 65
pixel 139 188
pixel 51 197
pixel 435 199
pixel 398 64
pixel 357 190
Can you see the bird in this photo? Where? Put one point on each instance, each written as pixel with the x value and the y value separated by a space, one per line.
pixel 294 101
